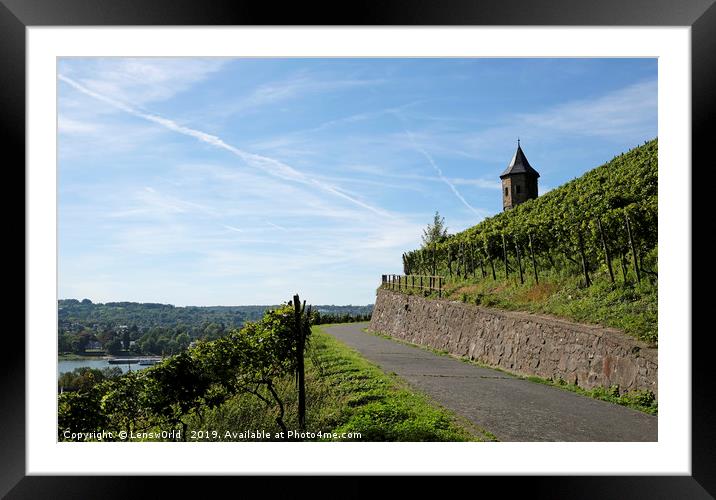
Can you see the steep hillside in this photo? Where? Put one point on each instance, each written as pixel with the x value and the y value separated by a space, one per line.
pixel 586 250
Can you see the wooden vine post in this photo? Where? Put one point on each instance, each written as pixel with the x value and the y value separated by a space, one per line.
pixel 519 261
pixel 435 251
pixel 532 255
pixel 301 324
pixel 504 256
pixel 587 280
pixel 607 255
pixel 623 262
pixel 472 260
pixel 464 259
pixel 633 249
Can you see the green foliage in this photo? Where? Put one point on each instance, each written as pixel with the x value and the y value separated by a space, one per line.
pixel 318 318
pixel 84 378
pixel 435 232
pixel 122 403
pixel 245 361
pixel 80 412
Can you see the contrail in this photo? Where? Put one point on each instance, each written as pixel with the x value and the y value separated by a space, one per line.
pixel 435 166
pixel 271 166
pixel 440 173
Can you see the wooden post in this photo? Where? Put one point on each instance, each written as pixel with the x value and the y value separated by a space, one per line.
pixel 435 261
pixel 464 261
pixel 607 255
pixel 587 281
pixel 633 249
pixel 504 256
pixel 300 336
pixel 449 260
pixel 624 267
pixel 473 267
pixel 519 261
pixel 532 254
pixel 457 259
pixel 440 286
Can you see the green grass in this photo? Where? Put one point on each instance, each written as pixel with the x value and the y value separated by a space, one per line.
pixel 643 401
pixel 345 393
pixel 630 307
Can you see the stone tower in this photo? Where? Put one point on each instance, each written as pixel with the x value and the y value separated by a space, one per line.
pixel 519 181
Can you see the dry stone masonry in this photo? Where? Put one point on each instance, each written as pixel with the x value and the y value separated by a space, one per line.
pixel 523 343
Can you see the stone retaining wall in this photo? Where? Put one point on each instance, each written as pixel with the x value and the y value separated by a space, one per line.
pixel 524 343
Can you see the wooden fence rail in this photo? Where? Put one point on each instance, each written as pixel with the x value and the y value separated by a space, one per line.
pixel 413 281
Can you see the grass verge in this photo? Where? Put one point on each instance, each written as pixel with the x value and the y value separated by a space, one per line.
pixel 346 396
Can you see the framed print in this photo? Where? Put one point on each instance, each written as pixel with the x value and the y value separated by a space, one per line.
pixel 634 64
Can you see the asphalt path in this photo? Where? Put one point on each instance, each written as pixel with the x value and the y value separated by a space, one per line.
pixel 511 408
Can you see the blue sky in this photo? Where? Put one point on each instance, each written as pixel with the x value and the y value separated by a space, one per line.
pixel 243 181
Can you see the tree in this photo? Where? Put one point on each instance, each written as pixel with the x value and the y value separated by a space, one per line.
pixel 183 340
pixel 435 232
pixel 80 412
pixel 121 404
pixel 114 347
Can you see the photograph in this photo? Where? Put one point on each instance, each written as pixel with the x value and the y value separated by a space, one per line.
pixel 261 252
pixel 357 249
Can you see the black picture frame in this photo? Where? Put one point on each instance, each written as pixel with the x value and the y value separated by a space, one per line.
pixel 16 15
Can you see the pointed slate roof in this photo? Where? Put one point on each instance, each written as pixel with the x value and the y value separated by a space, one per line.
pixel 519 164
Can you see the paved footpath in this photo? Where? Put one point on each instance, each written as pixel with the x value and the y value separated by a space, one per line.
pixel 510 408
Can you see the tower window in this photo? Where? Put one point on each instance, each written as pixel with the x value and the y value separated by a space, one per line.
pixel 507 191
pixel 517 188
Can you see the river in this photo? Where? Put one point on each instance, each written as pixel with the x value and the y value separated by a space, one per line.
pixel 66 365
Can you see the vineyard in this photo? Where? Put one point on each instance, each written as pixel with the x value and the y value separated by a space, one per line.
pixel 591 243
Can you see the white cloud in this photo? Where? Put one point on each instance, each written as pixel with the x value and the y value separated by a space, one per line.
pixel 624 112
pixel 293 88
pixel 140 80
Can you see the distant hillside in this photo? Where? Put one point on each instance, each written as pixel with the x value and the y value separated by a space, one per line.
pixel 136 328
pixel 566 234
pixel 74 314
